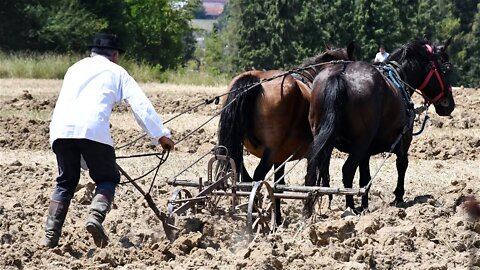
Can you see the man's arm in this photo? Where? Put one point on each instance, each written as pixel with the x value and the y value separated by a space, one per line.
pixel 144 112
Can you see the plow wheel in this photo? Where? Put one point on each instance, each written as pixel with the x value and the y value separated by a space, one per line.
pixel 175 202
pixel 261 209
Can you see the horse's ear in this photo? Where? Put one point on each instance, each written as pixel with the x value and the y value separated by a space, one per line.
pixel 447 43
pixel 326 46
pixel 425 37
pixel 351 51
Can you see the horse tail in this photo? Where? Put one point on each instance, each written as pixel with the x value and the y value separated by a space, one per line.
pixel 324 139
pixel 236 118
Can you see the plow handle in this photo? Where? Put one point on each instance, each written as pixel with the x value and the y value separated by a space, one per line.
pixel 169 229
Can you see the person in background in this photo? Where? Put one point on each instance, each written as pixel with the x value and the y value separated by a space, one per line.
pixel 80 130
pixel 381 56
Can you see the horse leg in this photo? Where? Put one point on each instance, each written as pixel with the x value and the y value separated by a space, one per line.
pixel 261 171
pixel 365 179
pixel 325 176
pixel 280 171
pixel 245 176
pixel 348 172
pixel 350 167
pixel 264 166
pixel 402 164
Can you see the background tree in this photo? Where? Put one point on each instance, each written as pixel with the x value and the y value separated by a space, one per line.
pixel 323 23
pixel 13 25
pixel 61 26
pixel 467 46
pixel 268 34
pixel 159 30
pixel 377 23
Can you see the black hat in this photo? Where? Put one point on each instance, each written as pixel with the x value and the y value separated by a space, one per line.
pixel 107 41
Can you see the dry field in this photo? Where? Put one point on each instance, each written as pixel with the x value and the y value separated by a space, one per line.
pixel 431 231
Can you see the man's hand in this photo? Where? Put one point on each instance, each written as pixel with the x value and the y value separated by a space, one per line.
pixel 166 143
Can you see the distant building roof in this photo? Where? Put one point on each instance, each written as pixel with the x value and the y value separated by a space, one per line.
pixel 213 8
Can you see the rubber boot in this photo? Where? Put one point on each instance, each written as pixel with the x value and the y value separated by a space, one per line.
pixel 98 210
pixel 57 211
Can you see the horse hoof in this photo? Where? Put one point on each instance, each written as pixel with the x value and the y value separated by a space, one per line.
pixel 307 213
pixel 398 203
pixel 349 212
pixel 363 210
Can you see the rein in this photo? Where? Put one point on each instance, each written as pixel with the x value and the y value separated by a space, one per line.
pixel 162 156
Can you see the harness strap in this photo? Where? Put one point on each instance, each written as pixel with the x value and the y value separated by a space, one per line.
pixel 300 77
pixel 391 74
pixel 433 70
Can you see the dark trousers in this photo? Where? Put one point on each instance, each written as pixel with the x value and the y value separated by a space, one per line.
pixel 100 159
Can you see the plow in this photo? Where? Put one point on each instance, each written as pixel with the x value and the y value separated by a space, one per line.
pixel 253 201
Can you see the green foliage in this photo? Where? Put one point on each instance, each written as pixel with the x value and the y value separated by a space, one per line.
pixel 216 58
pixel 157 32
pixel 468 59
pixel 378 23
pixel 267 34
pixel 34 65
pixel 54 66
pixel 274 34
pixel 318 24
pixel 160 31
pixel 13 25
pixel 64 26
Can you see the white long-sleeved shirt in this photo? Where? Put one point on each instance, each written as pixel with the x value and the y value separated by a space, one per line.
pixel 90 89
pixel 381 57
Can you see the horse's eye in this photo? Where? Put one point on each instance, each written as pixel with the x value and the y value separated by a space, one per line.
pixel 447 67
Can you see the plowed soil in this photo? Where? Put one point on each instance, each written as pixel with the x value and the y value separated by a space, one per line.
pixel 430 231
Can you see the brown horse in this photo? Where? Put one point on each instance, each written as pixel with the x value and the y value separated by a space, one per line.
pixel 355 108
pixel 267 112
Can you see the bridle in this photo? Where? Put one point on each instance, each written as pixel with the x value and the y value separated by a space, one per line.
pixel 433 70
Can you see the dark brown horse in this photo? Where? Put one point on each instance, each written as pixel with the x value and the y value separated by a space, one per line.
pixel 267 112
pixel 355 108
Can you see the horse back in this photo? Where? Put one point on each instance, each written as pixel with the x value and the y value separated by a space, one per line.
pixel 376 108
pixel 369 109
pixel 279 114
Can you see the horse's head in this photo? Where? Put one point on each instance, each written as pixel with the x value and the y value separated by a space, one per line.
pixel 443 101
pixel 331 54
pixel 429 69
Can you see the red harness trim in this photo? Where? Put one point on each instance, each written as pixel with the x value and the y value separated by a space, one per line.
pixel 433 70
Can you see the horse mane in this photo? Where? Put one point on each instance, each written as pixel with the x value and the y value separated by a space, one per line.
pixel 326 56
pixel 411 51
